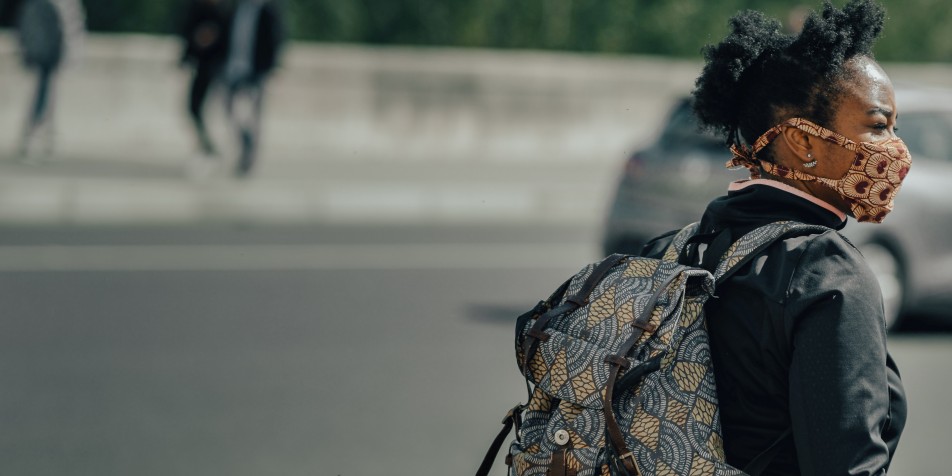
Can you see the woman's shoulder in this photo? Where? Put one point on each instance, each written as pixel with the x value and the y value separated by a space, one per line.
pixel 826 252
pixel 826 267
pixel 820 246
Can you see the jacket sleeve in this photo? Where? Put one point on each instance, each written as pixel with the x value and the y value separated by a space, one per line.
pixel 189 24
pixel 840 385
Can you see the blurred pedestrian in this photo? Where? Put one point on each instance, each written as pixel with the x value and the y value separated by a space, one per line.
pixel 255 39
pixel 204 35
pixel 49 33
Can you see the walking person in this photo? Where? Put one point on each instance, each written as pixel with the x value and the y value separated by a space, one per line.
pixel 204 35
pixel 797 335
pixel 49 33
pixel 255 38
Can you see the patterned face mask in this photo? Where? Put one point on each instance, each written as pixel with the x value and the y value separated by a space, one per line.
pixel 869 186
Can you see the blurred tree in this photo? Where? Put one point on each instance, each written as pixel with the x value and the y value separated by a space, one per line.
pixel 915 31
pixel 133 15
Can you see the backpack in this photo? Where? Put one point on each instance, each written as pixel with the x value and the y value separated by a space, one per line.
pixel 620 368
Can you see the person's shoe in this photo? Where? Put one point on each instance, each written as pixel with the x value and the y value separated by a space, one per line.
pixel 206 144
pixel 24 154
pixel 244 167
pixel 201 166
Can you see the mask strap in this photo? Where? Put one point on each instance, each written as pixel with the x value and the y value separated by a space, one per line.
pixel 744 156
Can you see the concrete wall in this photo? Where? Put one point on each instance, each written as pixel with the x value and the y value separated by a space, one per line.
pixel 356 102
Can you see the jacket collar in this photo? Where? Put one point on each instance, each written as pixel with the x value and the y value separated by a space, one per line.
pixel 753 203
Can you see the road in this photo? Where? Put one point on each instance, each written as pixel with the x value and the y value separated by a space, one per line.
pixel 307 350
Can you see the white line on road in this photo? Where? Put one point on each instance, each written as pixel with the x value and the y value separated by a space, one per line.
pixel 293 257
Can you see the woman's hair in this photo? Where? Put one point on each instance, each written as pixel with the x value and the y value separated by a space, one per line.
pixel 758 75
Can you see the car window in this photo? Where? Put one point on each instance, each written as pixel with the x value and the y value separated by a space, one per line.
pixel 682 130
pixel 927 134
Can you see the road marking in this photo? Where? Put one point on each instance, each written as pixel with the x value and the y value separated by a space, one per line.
pixel 293 257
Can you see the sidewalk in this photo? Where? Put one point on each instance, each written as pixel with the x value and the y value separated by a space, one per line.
pixel 76 191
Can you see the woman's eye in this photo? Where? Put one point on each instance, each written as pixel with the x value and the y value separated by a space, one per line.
pixel 883 127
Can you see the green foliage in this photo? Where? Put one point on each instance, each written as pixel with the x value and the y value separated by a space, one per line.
pixel 916 29
pixel 133 15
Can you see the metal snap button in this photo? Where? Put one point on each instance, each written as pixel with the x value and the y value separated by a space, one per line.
pixel 561 437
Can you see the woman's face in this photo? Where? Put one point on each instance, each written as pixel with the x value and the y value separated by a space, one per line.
pixel 865 112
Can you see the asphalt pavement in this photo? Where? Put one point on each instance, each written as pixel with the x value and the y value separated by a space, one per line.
pixel 119 357
pixel 253 350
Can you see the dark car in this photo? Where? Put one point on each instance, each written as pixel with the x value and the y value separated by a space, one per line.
pixel 668 184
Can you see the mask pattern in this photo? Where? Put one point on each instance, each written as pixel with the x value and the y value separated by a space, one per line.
pixel 870 185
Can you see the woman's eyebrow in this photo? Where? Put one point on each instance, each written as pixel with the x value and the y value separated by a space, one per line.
pixel 879 110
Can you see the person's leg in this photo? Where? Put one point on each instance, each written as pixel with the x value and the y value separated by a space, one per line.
pixel 37 112
pixel 234 94
pixel 251 127
pixel 245 113
pixel 48 122
pixel 201 83
pixel 41 105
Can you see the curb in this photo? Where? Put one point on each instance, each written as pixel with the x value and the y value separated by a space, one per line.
pixel 552 198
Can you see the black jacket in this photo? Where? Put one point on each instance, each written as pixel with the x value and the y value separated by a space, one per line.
pixel 205 18
pixel 798 340
pixel 40 31
pixel 268 39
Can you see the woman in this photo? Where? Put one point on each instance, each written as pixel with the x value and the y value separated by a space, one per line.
pixel 798 335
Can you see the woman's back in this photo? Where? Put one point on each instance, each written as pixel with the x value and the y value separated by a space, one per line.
pixel 798 341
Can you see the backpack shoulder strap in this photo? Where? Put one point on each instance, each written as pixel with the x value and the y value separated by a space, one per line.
pixel 741 250
pixel 749 245
pixel 680 241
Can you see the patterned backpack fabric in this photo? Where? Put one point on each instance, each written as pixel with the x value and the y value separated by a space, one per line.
pixel 621 368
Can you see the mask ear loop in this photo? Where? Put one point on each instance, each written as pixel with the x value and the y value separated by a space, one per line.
pixel 743 155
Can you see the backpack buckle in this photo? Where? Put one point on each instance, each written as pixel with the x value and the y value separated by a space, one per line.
pixel 617 360
pixel 577 302
pixel 538 334
pixel 631 466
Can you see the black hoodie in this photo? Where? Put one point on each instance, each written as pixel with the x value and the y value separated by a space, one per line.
pixel 798 340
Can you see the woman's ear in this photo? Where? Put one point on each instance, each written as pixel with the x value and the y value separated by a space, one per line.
pixel 800 145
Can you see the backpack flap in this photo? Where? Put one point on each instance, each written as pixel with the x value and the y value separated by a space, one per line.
pixel 573 350
pixel 570 369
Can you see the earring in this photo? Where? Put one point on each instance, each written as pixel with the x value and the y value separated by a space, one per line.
pixel 811 163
